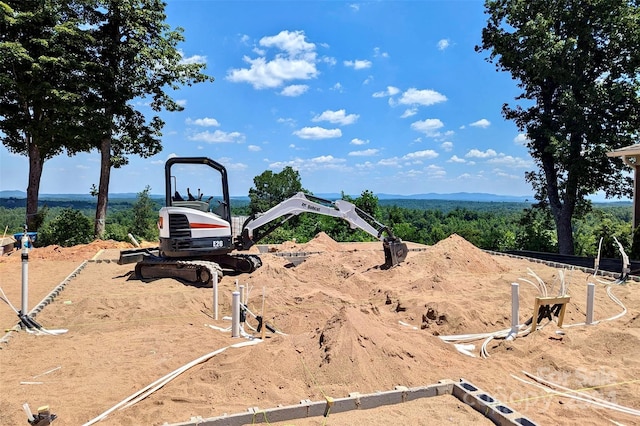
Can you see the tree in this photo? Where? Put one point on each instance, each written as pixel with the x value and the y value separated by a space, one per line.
pixel 136 56
pixel 578 65
pixel 69 228
pixel 272 188
pixel 145 216
pixel 42 85
pixel 535 231
pixel 367 202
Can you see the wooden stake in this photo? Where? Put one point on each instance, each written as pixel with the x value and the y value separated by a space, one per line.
pixel 546 301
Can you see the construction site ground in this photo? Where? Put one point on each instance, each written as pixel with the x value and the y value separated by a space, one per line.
pixel 344 325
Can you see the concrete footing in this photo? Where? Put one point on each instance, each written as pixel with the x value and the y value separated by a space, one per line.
pixel 466 392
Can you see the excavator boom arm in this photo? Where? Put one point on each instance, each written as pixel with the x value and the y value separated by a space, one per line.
pixel 302 203
pixel 254 228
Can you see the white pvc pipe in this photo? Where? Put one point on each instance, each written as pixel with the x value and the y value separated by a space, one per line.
pixel 133 240
pixel 515 308
pixel 28 412
pixel 591 291
pixel 235 314
pixel 25 275
pixel 242 299
pixel 215 296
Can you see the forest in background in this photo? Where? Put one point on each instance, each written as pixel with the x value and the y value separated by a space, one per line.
pixel 497 226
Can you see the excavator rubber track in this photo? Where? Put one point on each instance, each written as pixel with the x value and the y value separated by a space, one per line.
pixel 244 263
pixel 199 273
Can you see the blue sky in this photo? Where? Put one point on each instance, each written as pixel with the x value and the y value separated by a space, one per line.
pixel 386 96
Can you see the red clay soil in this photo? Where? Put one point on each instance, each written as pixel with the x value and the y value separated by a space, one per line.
pixel 345 325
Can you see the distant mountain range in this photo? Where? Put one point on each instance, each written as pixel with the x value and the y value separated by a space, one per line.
pixel 458 196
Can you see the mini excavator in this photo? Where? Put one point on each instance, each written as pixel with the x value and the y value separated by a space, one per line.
pixel 199 238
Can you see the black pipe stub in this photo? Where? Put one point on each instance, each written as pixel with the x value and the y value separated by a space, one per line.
pixel 43 418
pixel 27 322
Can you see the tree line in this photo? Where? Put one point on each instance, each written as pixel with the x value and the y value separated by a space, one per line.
pixel 489 226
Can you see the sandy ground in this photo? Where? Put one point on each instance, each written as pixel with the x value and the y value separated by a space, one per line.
pixel 344 325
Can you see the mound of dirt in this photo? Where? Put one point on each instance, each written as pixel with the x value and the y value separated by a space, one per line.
pixel 321 242
pixel 457 254
pixel 79 252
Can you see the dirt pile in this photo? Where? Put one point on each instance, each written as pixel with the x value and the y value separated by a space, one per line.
pixel 455 254
pixel 79 252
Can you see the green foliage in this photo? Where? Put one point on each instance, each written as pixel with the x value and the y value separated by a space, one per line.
pixel 40 217
pixel 69 228
pixel 537 232
pixel 145 216
pixel 12 219
pixel 490 226
pixel 116 232
pixel 577 66
pixel 367 202
pixel 270 188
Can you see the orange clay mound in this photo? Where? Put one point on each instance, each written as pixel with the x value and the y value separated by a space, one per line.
pixel 321 242
pixel 79 252
pixel 457 254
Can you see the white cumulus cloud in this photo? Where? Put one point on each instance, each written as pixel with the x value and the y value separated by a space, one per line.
pixel 521 139
pixel 317 133
pixel 426 97
pixel 420 155
pixel 294 90
pixel 510 161
pixel 358 64
pixel 484 123
pixel 204 122
pixel 364 153
pixel 391 91
pixel 194 59
pixel 336 117
pixel 429 127
pixel 410 112
pixel 218 137
pixel 475 153
pixel 296 60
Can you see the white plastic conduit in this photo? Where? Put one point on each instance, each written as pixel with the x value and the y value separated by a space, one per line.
pixel 570 393
pixel 149 389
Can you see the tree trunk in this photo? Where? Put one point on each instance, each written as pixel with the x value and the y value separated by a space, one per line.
pixel 562 206
pixel 564 231
pixel 103 189
pixel 33 190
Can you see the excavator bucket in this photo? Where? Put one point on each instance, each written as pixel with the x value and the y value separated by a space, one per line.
pixel 395 252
